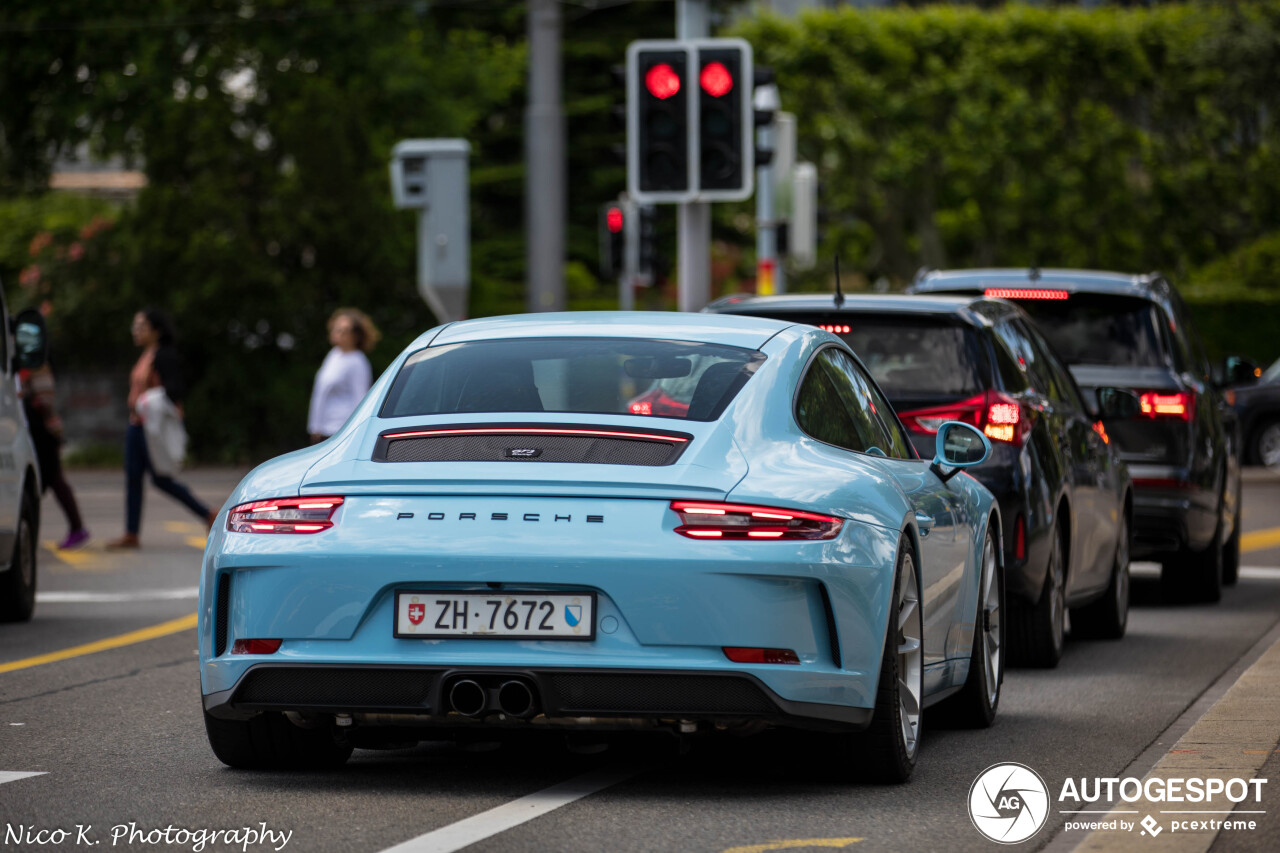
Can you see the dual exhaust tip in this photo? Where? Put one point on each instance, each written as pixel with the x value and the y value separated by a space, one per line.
pixel 513 698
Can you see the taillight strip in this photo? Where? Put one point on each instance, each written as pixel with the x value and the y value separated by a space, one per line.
pixel 739 522
pixel 536 431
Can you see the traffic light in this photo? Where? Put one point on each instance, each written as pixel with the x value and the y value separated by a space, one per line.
pixel 658 122
pixel 613 239
pixel 689 130
pixel 725 139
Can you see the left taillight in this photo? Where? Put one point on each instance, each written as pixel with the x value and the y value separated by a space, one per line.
pixel 284 515
pixel 712 520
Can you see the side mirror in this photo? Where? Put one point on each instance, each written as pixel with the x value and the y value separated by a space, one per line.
pixel 1118 403
pixel 1237 370
pixel 31 340
pixel 958 446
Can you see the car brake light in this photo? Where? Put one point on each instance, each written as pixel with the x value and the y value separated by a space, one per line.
pixel 999 417
pixel 284 515
pixel 1176 405
pixel 738 654
pixel 255 647
pixel 1025 293
pixel 710 520
pixel 929 420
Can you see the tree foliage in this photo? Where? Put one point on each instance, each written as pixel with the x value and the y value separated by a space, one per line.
pixel 1103 138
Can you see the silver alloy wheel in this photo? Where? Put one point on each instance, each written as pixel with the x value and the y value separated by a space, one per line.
pixel 1269 445
pixel 1057 592
pixel 910 654
pixel 991 620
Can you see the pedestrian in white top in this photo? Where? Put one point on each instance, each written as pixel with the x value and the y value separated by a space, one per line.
pixel 345 375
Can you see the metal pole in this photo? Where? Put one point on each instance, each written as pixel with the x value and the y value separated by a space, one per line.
pixel 693 218
pixel 544 204
pixel 766 214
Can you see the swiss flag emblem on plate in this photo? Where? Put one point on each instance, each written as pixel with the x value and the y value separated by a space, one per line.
pixel 416 612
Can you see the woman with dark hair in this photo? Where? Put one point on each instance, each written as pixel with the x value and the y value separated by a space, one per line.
pixel 158 366
pixel 345 375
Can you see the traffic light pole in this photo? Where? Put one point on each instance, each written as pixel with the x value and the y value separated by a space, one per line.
pixel 545 189
pixel 693 219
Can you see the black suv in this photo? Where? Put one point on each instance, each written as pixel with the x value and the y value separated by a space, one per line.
pixel 1171 424
pixel 1064 495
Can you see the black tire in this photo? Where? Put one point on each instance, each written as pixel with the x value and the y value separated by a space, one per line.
pixel 1036 633
pixel 270 742
pixel 886 751
pixel 18 584
pixel 974 707
pixel 1195 576
pixel 1107 617
pixel 1231 548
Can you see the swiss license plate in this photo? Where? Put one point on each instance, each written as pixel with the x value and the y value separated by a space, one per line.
pixel 501 615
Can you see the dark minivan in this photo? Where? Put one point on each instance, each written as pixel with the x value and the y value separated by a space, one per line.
pixel 1063 493
pixel 1171 423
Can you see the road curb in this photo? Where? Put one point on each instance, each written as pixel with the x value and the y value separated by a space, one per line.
pixel 1232 739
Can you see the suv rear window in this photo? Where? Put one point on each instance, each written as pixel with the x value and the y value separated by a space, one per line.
pixel 1100 329
pixel 909 356
pixel 614 376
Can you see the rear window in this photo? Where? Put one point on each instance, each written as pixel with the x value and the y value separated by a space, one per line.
pixel 912 356
pixel 1098 329
pixel 613 376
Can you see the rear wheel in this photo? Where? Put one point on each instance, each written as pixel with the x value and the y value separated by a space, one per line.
pixel 1036 632
pixel 1266 445
pixel 1196 575
pixel 887 750
pixel 18 584
pixel 975 705
pixel 1107 618
pixel 270 742
pixel 1231 549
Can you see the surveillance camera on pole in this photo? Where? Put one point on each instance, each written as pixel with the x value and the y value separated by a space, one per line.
pixel 430 176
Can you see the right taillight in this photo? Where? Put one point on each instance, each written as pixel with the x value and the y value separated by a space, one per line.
pixel 1163 404
pixel 714 520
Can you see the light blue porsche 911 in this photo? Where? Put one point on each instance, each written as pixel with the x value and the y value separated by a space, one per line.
pixel 682 522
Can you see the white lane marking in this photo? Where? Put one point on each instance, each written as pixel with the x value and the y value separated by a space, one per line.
pixel 1152 570
pixel 466 832
pixel 1270 573
pixel 15 775
pixel 184 594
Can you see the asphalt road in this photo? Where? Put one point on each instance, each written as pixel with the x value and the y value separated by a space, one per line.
pixel 117 737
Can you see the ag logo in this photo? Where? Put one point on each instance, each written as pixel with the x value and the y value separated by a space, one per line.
pixel 1008 803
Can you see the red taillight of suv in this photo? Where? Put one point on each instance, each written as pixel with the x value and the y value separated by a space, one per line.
pixel 284 515
pixel 713 520
pixel 1161 404
pixel 1000 418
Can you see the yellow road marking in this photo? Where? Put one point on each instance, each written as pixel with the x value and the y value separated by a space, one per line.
pixel 197 542
pixel 1260 540
pixel 78 558
pixel 163 629
pixel 794 844
pixel 184 527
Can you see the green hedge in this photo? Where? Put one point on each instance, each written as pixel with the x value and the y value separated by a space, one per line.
pixel 1107 138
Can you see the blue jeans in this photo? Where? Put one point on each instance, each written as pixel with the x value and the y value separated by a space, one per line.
pixel 136 464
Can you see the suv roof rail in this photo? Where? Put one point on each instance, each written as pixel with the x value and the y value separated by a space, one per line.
pixel 921 273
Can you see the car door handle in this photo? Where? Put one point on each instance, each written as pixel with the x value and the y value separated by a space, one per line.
pixel 924 522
